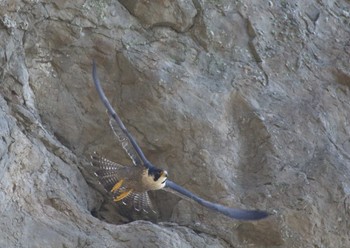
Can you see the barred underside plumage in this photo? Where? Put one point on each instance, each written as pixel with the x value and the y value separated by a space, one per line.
pixel 125 143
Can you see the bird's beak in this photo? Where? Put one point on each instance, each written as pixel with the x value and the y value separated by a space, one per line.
pixel 165 174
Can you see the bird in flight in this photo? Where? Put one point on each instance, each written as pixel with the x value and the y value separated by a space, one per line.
pixel 130 184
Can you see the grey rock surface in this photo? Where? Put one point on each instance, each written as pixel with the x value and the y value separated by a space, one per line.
pixel 245 103
pixel 178 15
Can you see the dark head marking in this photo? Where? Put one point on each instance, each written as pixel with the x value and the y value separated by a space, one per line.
pixel 155 172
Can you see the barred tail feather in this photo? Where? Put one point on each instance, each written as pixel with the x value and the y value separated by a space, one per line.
pixel 140 202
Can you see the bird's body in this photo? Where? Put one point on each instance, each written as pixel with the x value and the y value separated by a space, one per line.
pixel 130 184
pixel 110 173
pixel 127 181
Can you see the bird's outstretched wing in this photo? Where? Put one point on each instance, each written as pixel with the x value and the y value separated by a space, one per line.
pixel 127 140
pixel 239 214
pixel 125 143
pixel 107 173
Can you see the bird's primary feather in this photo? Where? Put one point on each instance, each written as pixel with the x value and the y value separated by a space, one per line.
pixel 106 171
pixel 235 213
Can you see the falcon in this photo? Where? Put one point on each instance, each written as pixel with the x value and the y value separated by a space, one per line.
pixel 131 184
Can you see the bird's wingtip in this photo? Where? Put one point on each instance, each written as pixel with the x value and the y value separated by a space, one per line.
pixel 259 215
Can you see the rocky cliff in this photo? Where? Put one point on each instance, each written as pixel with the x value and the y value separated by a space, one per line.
pixel 245 103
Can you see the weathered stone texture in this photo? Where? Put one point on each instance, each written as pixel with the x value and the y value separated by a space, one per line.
pixel 245 103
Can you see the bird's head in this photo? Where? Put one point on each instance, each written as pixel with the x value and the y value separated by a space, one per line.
pixel 155 178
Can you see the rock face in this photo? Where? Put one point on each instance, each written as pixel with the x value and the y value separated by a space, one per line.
pixel 245 103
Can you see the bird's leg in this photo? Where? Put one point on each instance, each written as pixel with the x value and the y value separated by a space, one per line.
pixel 117 185
pixel 123 195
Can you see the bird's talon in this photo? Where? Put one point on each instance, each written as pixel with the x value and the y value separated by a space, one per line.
pixel 122 195
pixel 117 185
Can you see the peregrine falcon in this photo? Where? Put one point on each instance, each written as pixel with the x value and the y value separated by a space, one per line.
pixel 130 184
